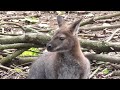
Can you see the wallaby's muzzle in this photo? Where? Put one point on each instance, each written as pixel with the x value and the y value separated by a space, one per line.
pixel 49 47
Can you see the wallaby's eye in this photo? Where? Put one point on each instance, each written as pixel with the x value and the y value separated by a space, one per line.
pixel 62 38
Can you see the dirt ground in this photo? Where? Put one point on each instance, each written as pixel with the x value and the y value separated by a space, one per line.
pixel 49 18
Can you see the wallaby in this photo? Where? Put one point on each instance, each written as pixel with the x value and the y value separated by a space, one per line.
pixel 65 59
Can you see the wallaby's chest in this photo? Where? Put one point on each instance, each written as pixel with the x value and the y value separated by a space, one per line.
pixel 69 70
pixel 64 68
pixel 64 71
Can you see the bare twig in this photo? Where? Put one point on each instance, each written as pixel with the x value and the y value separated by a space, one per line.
pixel 108 20
pixel 92 35
pixel 109 75
pixel 11 23
pixel 20 26
pixel 13 17
pixel 115 66
pixel 5 77
pixel 94 72
pixel 113 35
pixel 4 68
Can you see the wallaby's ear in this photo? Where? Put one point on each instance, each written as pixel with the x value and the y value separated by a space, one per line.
pixel 60 20
pixel 74 28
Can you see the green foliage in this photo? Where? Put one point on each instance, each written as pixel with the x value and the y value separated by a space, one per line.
pixel 105 71
pixel 60 12
pixel 18 70
pixel 31 52
pixel 34 49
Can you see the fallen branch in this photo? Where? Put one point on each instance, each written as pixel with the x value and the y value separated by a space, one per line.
pixel 94 72
pixel 90 56
pixel 11 40
pixel 42 30
pixel 91 20
pixel 30 30
pixel 88 21
pixel 97 28
pixel 107 16
pixel 41 40
pixel 102 57
pixel 22 60
pixel 24 28
pixel 36 38
pixel 10 57
pixel 108 20
pixel 3 36
pixel 13 17
pixel 99 46
pixel 6 34
pixel 11 23
pixel 92 35
pixel 20 17
pixel 4 68
pixel 16 46
pixel 113 35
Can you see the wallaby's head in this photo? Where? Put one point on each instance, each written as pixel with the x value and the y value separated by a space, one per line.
pixel 65 37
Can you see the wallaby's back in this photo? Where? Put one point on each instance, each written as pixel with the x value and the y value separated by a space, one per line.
pixel 65 59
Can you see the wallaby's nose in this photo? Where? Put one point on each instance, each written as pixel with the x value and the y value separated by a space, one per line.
pixel 49 47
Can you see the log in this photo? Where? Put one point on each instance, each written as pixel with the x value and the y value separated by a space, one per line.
pixel 97 28
pixel 100 46
pixel 16 46
pixel 36 38
pixel 102 57
pixel 41 39
pixel 22 60
pixel 107 16
pixel 9 58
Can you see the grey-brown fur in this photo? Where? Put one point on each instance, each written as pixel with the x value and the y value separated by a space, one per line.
pixel 65 59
